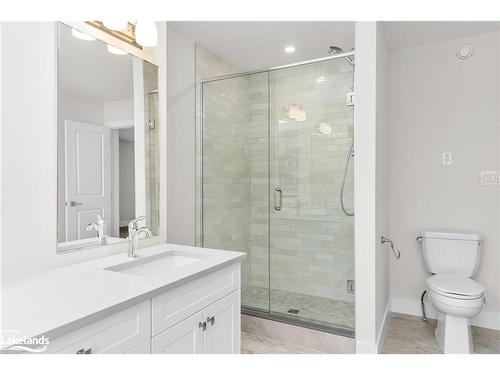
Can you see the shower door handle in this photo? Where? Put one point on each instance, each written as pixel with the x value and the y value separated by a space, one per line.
pixel 278 198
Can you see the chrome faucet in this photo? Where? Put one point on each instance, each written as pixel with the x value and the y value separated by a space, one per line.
pixel 134 232
pixel 100 228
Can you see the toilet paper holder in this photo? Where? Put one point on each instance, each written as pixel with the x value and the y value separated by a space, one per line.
pixel 395 251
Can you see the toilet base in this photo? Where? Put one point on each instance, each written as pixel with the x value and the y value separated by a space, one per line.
pixel 454 335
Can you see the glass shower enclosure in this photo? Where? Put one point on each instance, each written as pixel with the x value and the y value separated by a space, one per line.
pixel 275 167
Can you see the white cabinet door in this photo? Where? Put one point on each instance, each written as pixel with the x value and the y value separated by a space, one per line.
pixel 185 337
pixel 144 348
pixel 222 335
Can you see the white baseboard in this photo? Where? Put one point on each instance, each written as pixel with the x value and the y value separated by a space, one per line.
pixel 486 319
pixel 363 347
pixel 384 327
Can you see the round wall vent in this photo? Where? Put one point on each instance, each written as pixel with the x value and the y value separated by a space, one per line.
pixel 464 52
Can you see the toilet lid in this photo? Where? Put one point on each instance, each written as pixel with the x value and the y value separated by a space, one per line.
pixel 459 286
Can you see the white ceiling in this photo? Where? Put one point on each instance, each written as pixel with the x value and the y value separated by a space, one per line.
pixel 256 45
pixel 89 72
pixel 408 34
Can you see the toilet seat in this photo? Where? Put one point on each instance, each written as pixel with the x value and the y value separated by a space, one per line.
pixel 455 287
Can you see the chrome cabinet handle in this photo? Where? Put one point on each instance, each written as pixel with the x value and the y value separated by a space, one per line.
pixel 84 351
pixel 202 325
pixel 278 198
pixel 74 203
pixel 211 320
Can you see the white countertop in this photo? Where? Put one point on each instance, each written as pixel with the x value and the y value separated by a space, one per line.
pixel 61 300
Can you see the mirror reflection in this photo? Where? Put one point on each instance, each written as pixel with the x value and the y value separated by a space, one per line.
pixel 107 142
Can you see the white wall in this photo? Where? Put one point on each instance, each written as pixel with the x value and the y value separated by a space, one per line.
pixel 371 269
pixel 121 111
pixel 29 146
pixel 181 92
pixel 383 252
pixel 439 103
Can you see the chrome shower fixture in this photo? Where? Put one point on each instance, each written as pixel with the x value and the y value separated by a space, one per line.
pixel 334 50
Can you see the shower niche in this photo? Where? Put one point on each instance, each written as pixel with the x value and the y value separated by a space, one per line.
pixel 273 169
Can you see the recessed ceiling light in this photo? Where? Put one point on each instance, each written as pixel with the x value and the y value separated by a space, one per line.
pixel 289 49
pixel 79 35
pixel 115 51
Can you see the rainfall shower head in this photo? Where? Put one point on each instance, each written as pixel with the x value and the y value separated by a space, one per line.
pixel 334 50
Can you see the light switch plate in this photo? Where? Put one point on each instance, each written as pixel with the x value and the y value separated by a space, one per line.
pixel 488 178
pixel 447 158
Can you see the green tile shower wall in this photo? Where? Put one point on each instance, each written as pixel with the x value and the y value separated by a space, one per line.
pixel 151 139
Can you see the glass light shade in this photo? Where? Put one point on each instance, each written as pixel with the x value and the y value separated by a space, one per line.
pixel 79 35
pixel 146 33
pixel 324 128
pixel 116 25
pixel 296 113
pixel 115 50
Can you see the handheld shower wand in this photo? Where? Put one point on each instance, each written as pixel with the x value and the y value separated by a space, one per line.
pixel 351 154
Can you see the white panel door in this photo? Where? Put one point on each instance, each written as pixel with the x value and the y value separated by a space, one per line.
pixel 185 337
pixel 223 326
pixel 88 176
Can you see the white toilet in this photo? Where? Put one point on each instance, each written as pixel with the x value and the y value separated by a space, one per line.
pixel 453 258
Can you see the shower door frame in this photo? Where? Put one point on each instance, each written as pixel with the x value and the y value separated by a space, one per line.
pixel 270 315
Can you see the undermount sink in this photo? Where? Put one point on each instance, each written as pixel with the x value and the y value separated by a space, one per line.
pixel 156 264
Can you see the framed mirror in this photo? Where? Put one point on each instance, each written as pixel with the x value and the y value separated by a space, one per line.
pixel 107 142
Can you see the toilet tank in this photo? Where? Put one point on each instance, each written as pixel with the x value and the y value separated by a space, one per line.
pixel 451 252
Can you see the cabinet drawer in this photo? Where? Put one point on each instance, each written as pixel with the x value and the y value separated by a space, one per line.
pixel 177 304
pixel 117 333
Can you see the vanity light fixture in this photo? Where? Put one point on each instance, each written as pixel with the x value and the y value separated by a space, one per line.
pixel 146 33
pixel 115 25
pixel 114 50
pixel 324 128
pixel 295 112
pixel 139 34
pixel 289 49
pixel 79 35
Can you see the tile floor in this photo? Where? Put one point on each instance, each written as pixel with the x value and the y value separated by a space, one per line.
pixel 314 309
pixel 264 336
pixel 255 344
pixel 408 334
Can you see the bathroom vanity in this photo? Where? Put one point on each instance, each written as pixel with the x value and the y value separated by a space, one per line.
pixel 170 299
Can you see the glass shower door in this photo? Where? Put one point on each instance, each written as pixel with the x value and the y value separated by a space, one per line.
pixel 311 238
pixel 234 178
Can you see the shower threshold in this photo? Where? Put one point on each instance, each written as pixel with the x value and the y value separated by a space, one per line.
pixel 297 321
